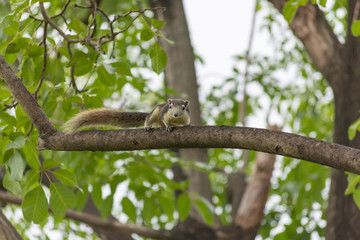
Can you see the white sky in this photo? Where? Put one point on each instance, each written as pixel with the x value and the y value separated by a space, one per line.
pixel 219 30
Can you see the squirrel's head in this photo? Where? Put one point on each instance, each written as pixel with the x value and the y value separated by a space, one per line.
pixel 178 107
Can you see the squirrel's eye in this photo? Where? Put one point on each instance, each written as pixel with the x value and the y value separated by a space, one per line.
pixel 170 106
pixel 183 107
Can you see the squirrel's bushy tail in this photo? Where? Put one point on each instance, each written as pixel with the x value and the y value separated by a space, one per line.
pixel 105 117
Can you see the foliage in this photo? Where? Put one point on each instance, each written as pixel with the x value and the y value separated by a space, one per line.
pixel 81 75
pixel 138 186
pixel 291 7
pixel 300 102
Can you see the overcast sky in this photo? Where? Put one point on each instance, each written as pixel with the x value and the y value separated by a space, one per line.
pixel 219 30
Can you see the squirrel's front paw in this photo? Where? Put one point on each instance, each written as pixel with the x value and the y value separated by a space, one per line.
pixel 148 128
pixel 169 128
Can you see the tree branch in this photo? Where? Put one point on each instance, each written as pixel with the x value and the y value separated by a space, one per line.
pixel 270 141
pixel 251 211
pixel 7 230
pixel 95 221
pixel 313 30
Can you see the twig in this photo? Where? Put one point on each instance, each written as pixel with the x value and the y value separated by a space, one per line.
pixel 242 113
pixel 62 11
pixel 89 39
pixel 35 94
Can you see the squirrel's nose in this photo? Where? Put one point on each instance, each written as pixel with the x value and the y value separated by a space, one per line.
pixel 175 115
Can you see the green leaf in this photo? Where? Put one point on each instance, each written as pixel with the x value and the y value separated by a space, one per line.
pixel 35 51
pixel 158 58
pixel 16 166
pixel 50 163
pixel 77 25
pixel 78 57
pixel 7 155
pixel 122 68
pixel 49 107
pixel 35 205
pixel 31 155
pixel 129 209
pixel 146 34
pixel 10 57
pixel 66 177
pixel 205 209
pixel 27 71
pixel 148 210
pixel 290 10
pixel 105 77
pixel 18 143
pixel 12 29
pixel 107 206
pixel 23 42
pixel 97 195
pixel 83 67
pixel 66 105
pixel 322 3
pixel 355 28
pixel 61 198
pixel 167 204
pixel 356 197
pixel 184 206
pixel 39 69
pixel 64 51
pixel 12 48
pixel 11 185
pixel 157 24
pixel 31 178
pixel 353 128
pixel 353 180
pixel 57 71
pixel 76 99
pixel 82 198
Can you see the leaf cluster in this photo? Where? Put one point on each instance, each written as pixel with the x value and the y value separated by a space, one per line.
pixel 67 75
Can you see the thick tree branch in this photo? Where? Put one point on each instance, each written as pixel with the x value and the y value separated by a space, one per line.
pixel 95 221
pixel 275 142
pixel 313 30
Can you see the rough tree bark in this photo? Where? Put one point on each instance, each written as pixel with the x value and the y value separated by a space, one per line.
pixel 339 64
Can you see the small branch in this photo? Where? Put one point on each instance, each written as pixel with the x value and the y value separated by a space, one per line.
pixel 97 222
pixel 44 65
pixel 89 39
pixel 62 11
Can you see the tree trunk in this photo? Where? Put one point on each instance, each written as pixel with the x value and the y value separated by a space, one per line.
pixel 180 76
pixel 339 64
pixel 343 216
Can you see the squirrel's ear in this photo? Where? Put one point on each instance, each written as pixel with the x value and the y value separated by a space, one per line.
pixel 186 102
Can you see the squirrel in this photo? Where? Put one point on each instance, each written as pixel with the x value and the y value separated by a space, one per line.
pixel 173 113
